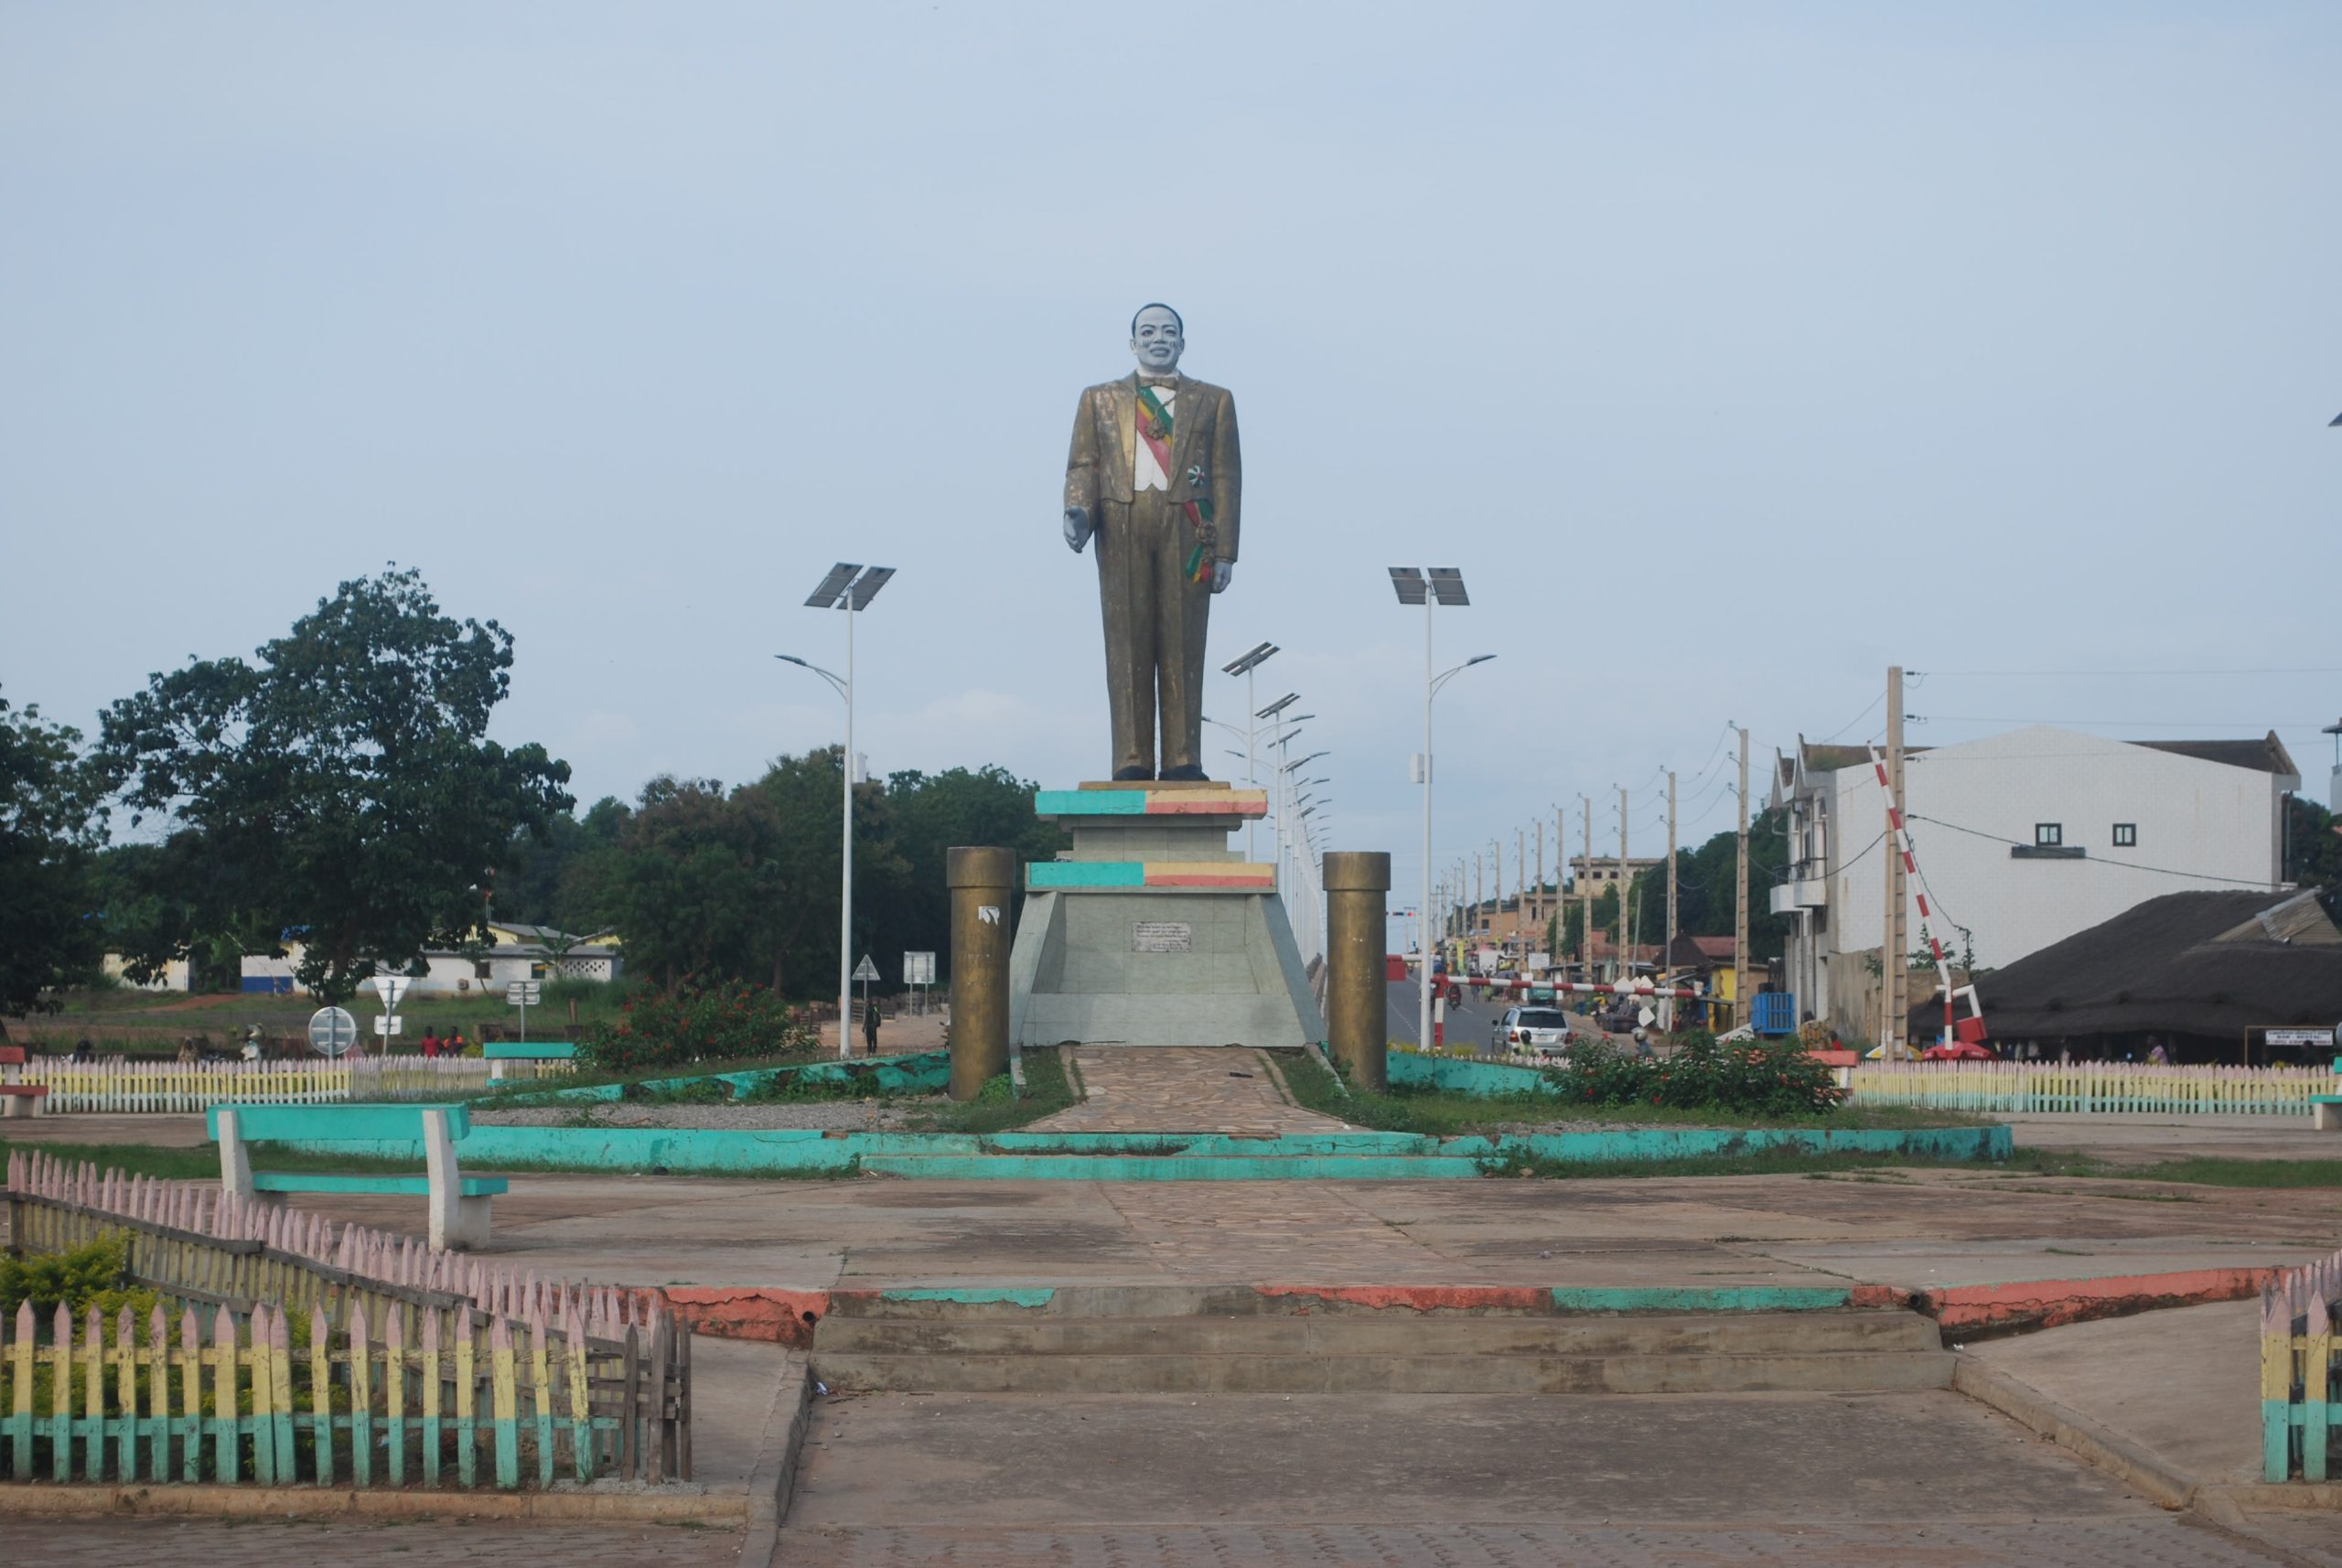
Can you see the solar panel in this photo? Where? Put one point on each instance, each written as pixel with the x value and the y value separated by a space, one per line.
pixel 826 595
pixel 1447 585
pixel 1409 583
pixel 866 588
pixel 1257 656
pixel 1279 706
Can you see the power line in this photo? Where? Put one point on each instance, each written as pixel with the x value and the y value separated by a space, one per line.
pixel 2300 670
pixel 2100 860
pixel 1850 723
pixel 2123 723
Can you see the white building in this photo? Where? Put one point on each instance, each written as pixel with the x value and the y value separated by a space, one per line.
pixel 514 951
pixel 2021 840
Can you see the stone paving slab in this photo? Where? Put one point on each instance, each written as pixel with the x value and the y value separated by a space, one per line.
pixel 132 1542
pixel 1181 1089
pixel 2137 1541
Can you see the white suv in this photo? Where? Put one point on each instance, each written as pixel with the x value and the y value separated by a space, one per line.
pixel 1545 1030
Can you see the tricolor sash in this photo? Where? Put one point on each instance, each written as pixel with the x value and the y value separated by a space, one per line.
pixel 1155 429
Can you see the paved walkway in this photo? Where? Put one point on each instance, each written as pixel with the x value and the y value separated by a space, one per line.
pixel 1213 1090
pixel 131 1542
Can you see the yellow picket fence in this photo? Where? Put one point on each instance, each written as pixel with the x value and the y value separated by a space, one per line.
pixel 2301 1376
pixel 283 1348
pixel 138 1086
pixel 2105 1087
pixel 246 1398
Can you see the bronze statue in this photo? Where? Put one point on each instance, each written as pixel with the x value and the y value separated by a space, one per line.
pixel 1155 476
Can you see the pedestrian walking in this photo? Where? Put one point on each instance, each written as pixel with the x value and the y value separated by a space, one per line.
pixel 870 1028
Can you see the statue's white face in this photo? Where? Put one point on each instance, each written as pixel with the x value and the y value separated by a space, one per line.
pixel 1157 341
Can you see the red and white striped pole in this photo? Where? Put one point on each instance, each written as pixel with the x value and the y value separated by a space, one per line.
pixel 1918 891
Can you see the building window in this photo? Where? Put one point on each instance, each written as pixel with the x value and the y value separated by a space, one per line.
pixel 2049 835
pixel 479 969
pixel 2126 836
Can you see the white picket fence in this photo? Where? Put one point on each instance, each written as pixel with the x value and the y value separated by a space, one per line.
pixel 2104 1088
pixel 124 1084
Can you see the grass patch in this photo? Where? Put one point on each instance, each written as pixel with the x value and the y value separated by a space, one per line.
pixel 997 1109
pixel 1444 1113
pixel 544 1091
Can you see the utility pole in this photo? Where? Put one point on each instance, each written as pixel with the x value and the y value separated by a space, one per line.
pixel 1586 888
pixel 1669 954
pixel 1480 896
pixel 1622 884
pixel 1894 990
pixel 1743 1008
pixel 1540 880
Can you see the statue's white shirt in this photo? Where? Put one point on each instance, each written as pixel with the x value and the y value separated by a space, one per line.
pixel 1146 474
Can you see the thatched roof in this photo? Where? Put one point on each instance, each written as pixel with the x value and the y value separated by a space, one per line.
pixel 2210 964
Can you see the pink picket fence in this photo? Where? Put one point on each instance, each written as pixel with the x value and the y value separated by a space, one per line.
pixel 284 1348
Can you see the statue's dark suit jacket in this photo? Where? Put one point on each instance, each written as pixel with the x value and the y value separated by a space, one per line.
pixel 1154 617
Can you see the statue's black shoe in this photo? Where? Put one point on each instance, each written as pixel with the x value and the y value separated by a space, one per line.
pixel 1190 774
pixel 1133 775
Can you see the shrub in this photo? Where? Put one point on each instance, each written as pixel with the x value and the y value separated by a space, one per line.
pixel 1757 1078
pixel 95 1273
pixel 691 1022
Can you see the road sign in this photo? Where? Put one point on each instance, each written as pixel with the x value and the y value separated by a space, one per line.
pixel 390 988
pixel 866 970
pixel 389 1024
pixel 332 1031
pixel 2314 1039
pixel 522 992
pixel 919 969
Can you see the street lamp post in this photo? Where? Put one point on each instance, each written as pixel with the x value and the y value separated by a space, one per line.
pixel 848 589
pixel 1244 667
pixel 1428 587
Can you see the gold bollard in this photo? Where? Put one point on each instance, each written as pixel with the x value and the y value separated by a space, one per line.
pixel 983 883
pixel 1356 1030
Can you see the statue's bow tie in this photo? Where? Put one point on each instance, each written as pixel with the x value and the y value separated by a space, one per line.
pixel 1159 381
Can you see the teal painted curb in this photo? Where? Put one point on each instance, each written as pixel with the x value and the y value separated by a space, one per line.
pixel 1716 1298
pixel 1172 1168
pixel 1112 1156
pixel 1462 1075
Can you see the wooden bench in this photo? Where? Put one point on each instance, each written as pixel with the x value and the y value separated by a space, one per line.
pixel 498 1052
pixel 459 1203
pixel 19 1098
pixel 2325 1109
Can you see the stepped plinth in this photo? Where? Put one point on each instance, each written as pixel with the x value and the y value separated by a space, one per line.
pixel 1151 930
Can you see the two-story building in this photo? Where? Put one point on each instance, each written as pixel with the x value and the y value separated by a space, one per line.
pixel 2021 840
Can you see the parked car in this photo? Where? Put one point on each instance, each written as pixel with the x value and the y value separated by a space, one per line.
pixel 1545 1030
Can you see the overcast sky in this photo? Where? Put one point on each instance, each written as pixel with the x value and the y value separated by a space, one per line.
pixel 1733 353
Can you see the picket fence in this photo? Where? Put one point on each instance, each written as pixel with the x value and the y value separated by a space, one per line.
pixel 2110 1088
pixel 2301 1379
pixel 293 1350
pixel 123 1084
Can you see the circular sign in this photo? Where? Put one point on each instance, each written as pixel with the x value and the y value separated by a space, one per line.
pixel 332 1031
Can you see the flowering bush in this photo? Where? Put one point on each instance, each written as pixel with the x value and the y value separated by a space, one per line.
pixel 1757 1077
pixel 691 1022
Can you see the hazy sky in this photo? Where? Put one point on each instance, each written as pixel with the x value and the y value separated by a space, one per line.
pixel 1734 353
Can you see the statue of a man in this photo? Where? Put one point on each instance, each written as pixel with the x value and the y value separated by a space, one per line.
pixel 1155 476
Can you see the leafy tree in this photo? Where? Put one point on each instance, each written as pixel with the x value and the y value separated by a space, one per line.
pixel 344 782
pixel 2313 844
pixel 51 813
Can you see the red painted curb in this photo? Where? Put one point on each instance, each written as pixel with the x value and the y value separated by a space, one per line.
pixel 774 1314
pixel 2045 1304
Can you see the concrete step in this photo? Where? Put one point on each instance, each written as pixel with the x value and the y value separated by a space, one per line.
pixel 1828 1372
pixel 1730 1334
pixel 1174 1167
pixel 1411 1303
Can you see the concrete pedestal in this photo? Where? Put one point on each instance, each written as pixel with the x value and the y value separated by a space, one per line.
pixel 1152 931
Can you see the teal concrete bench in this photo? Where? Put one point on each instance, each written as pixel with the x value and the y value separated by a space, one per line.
pixel 459 1203
pixel 2325 1109
pixel 498 1052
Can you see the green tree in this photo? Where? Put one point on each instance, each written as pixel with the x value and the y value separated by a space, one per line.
pixel 51 815
pixel 345 779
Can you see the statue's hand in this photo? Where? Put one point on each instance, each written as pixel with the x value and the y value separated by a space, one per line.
pixel 1078 528
pixel 1221 572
